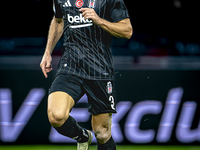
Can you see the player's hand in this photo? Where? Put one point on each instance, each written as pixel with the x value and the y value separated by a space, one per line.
pixel 46 64
pixel 89 13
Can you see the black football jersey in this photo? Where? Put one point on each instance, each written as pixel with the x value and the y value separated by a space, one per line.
pixel 87 47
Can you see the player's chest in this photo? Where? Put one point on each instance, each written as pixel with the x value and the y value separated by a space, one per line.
pixel 73 6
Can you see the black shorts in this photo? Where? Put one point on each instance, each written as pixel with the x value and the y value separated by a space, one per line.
pixel 100 93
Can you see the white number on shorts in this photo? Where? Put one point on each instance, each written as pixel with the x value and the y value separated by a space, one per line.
pixel 111 99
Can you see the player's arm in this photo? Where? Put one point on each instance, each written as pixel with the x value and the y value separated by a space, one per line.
pixel 55 32
pixel 120 29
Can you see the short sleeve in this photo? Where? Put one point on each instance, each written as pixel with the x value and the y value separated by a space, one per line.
pixel 118 10
pixel 57 10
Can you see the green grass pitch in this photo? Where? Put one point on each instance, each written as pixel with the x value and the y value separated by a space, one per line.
pixel 93 147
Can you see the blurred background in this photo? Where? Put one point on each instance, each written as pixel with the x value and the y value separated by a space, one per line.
pixel 156 74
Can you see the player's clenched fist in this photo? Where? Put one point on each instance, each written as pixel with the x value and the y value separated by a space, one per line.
pixel 89 13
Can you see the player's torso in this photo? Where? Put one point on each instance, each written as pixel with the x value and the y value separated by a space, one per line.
pixel 86 45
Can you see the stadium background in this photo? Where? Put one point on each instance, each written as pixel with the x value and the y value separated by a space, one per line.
pixel 157 76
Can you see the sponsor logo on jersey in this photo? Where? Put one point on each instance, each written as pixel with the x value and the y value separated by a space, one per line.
pixel 79 19
pixel 79 3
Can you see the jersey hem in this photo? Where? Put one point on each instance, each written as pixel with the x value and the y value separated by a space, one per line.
pixel 86 77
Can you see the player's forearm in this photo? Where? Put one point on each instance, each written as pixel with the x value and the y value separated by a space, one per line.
pixel 120 29
pixel 55 32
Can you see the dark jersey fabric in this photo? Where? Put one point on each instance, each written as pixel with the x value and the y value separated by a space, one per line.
pixel 87 47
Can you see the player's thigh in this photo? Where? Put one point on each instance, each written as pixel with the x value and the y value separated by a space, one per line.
pixel 59 105
pixel 101 125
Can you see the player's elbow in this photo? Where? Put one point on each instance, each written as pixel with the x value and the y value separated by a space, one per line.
pixel 129 32
pixel 127 28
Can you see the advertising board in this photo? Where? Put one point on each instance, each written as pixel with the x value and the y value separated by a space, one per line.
pixel 153 106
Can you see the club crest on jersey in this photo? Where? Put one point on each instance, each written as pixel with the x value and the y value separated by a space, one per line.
pixel 92 3
pixel 79 3
pixel 109 87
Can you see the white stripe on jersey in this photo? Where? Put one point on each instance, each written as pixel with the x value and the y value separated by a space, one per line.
pixel 81 25
pixel 54 9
